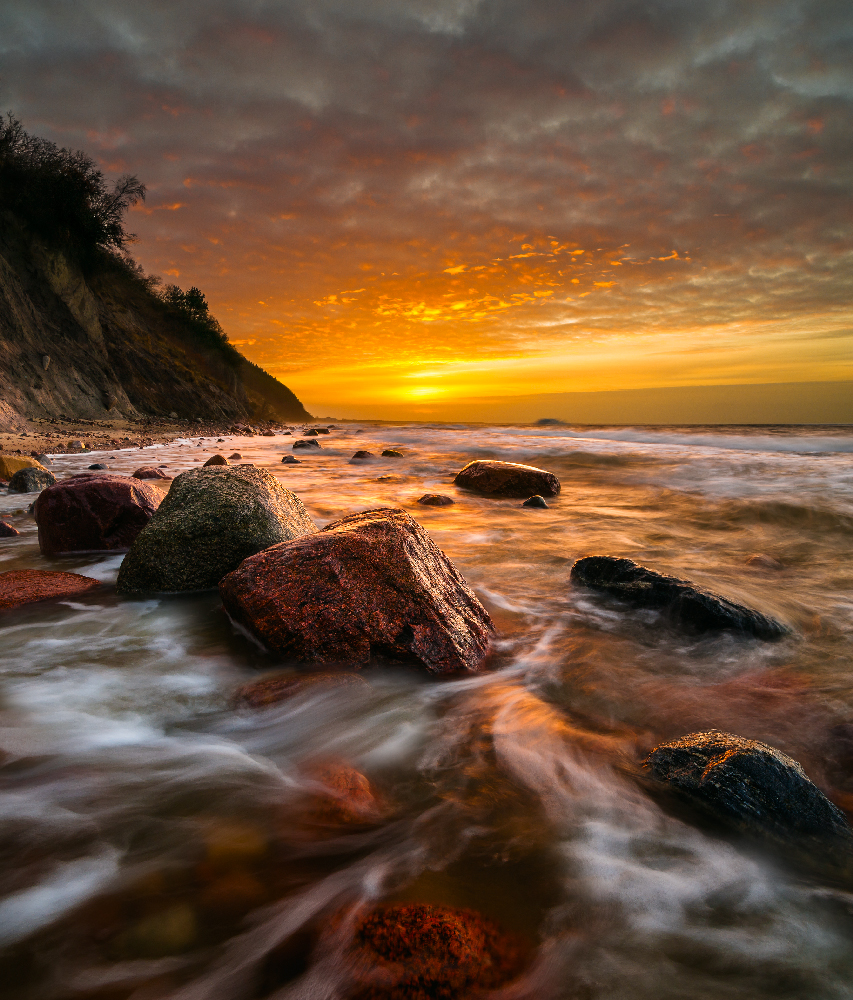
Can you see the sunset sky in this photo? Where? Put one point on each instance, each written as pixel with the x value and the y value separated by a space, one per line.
pixel 400 206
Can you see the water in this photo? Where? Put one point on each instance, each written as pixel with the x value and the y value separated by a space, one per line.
pixel 159 841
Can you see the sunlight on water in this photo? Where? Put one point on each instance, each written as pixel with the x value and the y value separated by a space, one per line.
pixel 161 840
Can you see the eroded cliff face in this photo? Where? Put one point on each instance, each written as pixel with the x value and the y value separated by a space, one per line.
pixel 89 347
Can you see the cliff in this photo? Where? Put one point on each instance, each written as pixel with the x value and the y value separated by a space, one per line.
pixel 87 345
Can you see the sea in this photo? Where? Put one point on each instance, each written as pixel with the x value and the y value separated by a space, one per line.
pixel 158 838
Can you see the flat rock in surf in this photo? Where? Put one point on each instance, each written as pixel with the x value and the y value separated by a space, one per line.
pixel 31 480
pixel 372 584
pixel 507 479
pixel 209 522
pixel 750 786
pixel 27 586
pixel 91 512
pixel 683 603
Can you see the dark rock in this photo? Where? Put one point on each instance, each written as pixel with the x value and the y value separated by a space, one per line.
pixel 109 400
pixel 271 690
pixel 268 434
pixel 418 951
pixel 290 460
pixel 27 586
pixel 287 434
pixel 93 513
pixel 360 457
pixel 390 453
pixel 209 522
pixel 685 605
pixel 322 430
pixel 507 479
pixel 97 465
pixel 748 785
pixel 150 472
pixel 436 500
pixel 372 584
pixel 535 501
pixel 312 443
pixel 4 484
pixel 216 460
pixel 7 530
pixel 235 457
pixel 43 459
pixel 31 480
pixel 311 432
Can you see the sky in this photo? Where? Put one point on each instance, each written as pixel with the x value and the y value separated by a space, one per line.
pixel 400 207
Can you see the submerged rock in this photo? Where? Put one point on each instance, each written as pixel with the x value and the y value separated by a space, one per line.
pixel 347 796
pixel 309 443
pixel 31 480
pixel 682 602
pixel 391 453
pixel 507 479
pixel 370 584
pixel 209 522
pixel 535 501
pixel 150 472
pixel 271 690
pixel 360 457
pixel 436 500
pixel 216 460
pixel 418 951
pixel 748 785
pixel 290 460
pixel 27 586
pixel 93 513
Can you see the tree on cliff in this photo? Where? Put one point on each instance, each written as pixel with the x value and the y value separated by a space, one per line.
pixel 192 308
pixel 61 196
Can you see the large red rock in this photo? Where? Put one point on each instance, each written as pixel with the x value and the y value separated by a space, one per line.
pixel 372 584
pixel 93 513
pixel 423 952
pixel 26 586
pixel 507 479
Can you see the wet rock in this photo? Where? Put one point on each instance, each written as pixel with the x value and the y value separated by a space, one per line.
pixel 10 464
pixel 311 432
pixel 7 530
pixel 31 480
pixel 507 479
pixel 759 560
pixel 290 460
pixel 371 584
pixel 44 460
pixel 748 785
pixel 419 951
pixel 150 472
pixel 685 605
pixel 93 513
pixel 535 501
pixel 312 443
pixel 391 453
pixel 268 434
pixel 216 460
pixel 347 796
pixel 322 430
pixel 360 457
pixel 209 522
pixel 27 586
pixel 270 690
pixel 235 457
pixel 76 446
pixel 436 500
pixel 97 465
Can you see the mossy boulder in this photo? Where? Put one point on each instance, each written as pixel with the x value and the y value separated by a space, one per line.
pixel 211 520
pixel 31 480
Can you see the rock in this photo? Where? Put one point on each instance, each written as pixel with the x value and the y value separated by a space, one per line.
pixel 109 400
pixel 97 465
pixel 390 453
pixel 216 460
pixel 761 561
pixel 311 432
pixel 748 785
pixel 76 446
pixel 209 522
pixel 93 513
pixel 150 472
pixel 347 796
pixel 370 584
pixel 360 457
pixel 322 430
pixel 685 605
pixel 312 443
pixel 4 484
pixel 31 480
pixel 270 690
pixel 290 460
pixel 436 500
pixel 43 459
pixel 45 361
pixel 173 415
pixel 506 479
pixel 287 433
pixel 418 951
pixel 235 457
pixel 7 530
pixel 269 434
pixel 27 586
pixel 535 501
pixel 9 465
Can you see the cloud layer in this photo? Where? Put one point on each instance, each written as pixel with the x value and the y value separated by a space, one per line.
pixel 392 183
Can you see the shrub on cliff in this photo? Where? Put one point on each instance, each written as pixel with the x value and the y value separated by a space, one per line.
pixel 191 306
pixel 61 196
